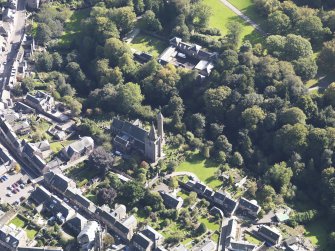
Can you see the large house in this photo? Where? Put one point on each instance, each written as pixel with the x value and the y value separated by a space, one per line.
pixel 270 235
pixel 6 161
pixel 88 236
pixel 133 136
pixel 189 56
pixel 171 201
pixel 80 148
pixel 41 101
pixel 34 155
pixel 224 201
pixel 11 237
pixel 249 207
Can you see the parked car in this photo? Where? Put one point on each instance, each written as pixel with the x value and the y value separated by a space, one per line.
pixel 9 194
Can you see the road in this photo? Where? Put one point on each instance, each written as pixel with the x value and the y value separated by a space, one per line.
pixel 13 43
pixel 241 15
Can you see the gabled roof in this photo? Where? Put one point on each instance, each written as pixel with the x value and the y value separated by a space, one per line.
pixel 58 180
pixel 39 249
pixel 199 186
pixel 152 133
pixel 269 232
pixel 169 200
pixel 241 246
pixel 152 234
pixel 78 222
pixel 56 205
pixel 79 146
pixel 129 129
pixel 142 240
pixel 40 195
pixel 249 204
pixel 11 235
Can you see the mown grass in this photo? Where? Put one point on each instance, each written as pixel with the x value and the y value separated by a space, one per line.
pixel 148 44
pixel 202 168
pixel 18 222
pixel 222 15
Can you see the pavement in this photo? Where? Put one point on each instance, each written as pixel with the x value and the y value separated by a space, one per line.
pixel 246 18
pixel 13 178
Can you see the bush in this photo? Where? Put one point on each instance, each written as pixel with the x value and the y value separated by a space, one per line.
pixel 82 183
pixel 210 31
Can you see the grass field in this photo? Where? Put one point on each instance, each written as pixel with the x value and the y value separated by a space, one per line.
pixel 148 44
pixel 221 15
pixel 31 233
pixel 57 146
pixel 251 239
pixel 202 168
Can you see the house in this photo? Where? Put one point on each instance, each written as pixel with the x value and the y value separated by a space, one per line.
pixel 39 249
pixel 207 245
pixel 44 147
pixel 8 15
pixel 248 207
pixel 58 181
pixel 199 188
pixel 75 196
pixel 142 243
pixel 33 4
pixel 6 131
pixel 87 236
pixel 189 56
pixel 23 108
pixel 41 101
pixel 132 136
pixel 153 235
pixel 231 242
pixel 142 57
pixel 224 202
pixel 120 212
pixel 171 201
pixel 11 237
pixel 59 209
pixel 34 156
pixel 270 235
pixel 80 148
pixel 22 127
pixel 126 228
pixel 40 195
pixel 6 161
pixel 76 224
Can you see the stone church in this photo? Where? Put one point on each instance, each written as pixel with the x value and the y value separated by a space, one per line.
pixel 132 136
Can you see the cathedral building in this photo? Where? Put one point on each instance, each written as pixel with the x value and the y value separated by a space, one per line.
pixel 132 136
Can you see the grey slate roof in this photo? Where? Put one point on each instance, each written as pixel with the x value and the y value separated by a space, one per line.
pixel 169 200
pixel 39 249
pixel 248 204
pixel 40 195
pixel 142 240
pixel 152 234
pixel 77 223
pixel 269 233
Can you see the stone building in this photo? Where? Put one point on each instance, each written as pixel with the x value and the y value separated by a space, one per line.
pixel 132 136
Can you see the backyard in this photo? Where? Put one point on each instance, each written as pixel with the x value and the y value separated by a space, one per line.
pixel 148 44
pixel 21 222
pixel 202 168
pixel 317 233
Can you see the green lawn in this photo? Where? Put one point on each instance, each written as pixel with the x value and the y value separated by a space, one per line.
pixel 202 168
pixel 213 226
pixel 317 232
pixel 148 44
pixel 248 8
pixel 91 197
pixel 221 15
pixel 251 239
pixel 31 233
pixel 73 25
pixel 57 146
pixel 18 221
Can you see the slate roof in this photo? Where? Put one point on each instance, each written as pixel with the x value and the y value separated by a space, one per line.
pixel 142 240
pixel 40 195
pixel 270 233
pixel 79 146
pixel 43 145
pixel 241 246
pixel 58 180
pixel 56 205
pixel 249 205
pixel 152 234
pixel 208 193
pixel 78 222
pixel 11 235
pixel 105 215
pixel 199 186
pixel 169 200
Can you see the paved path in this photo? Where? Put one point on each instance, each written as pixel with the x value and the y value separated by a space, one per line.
pixel 246 18
pixel 195 178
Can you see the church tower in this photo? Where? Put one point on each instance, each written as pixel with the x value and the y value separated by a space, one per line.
pixel 153 145
pixel 160 126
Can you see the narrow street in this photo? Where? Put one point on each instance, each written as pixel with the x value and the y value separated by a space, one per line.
pixel 13 44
